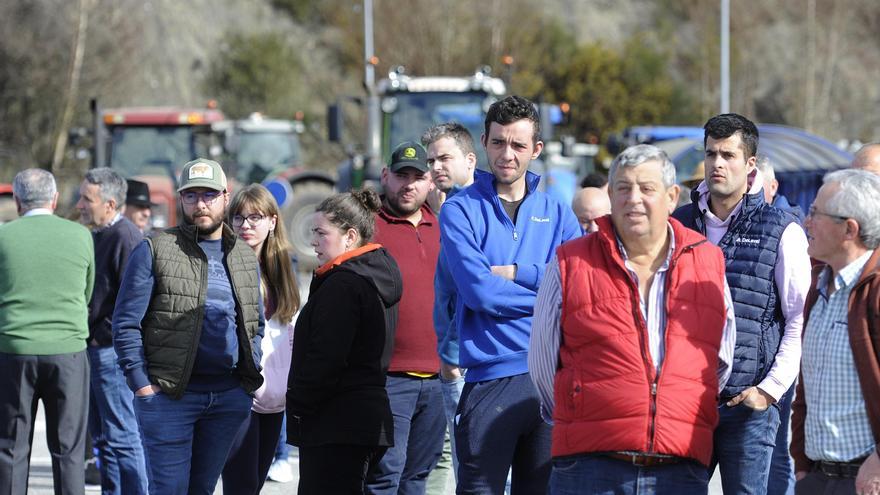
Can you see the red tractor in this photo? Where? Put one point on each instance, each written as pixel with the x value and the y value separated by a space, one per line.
pixel 151 144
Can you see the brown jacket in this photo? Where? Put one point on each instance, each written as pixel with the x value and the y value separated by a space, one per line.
pixel 864 338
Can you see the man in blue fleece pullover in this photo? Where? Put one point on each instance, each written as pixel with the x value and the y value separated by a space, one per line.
pixel 497 236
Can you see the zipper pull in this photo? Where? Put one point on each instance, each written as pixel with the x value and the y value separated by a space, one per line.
pixel 654 388
pixel 515 236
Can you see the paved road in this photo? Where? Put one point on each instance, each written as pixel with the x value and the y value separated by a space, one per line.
pixel 40 482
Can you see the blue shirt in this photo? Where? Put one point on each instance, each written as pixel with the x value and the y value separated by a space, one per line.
pixel 836 427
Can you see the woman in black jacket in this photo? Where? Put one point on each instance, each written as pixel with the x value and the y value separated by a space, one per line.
pixel 338 411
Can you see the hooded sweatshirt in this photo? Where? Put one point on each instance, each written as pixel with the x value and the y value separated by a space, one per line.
pixel 341 350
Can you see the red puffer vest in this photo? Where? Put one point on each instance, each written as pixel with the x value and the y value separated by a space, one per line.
pixel 608 396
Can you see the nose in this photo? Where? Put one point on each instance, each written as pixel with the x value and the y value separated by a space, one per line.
pixel 592 227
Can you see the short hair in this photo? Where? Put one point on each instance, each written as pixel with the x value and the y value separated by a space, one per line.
pixel 639 154
pixel 353 210
pixel 858 198
pixel 110 184
pixel 727 124
pixel 512 109
pixel 34 188
pixel 452 130
pixel 595 179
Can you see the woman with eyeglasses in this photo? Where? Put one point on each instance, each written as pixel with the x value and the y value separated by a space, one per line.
pixel 338 412
pixel 253 214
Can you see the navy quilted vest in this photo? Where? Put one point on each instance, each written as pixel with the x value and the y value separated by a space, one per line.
pixel 751 248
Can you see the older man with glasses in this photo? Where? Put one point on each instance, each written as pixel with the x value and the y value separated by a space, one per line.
pixel 836 421
pixel 187 328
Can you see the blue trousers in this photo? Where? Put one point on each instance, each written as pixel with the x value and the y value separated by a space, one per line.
pixel 498 429
pixel 596 475
pixel 451 394
pixel 781 479
pixel 744 442
pixel 419 427
pixel 186 441
pixel 114 427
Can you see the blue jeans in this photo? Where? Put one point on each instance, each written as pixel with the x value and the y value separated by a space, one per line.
pixel 114 427
pixel 744 441
pixel 417 407
pixel 596 475
pixel 781 480
pixel 451 394
pixel 187 441
pixel 282 451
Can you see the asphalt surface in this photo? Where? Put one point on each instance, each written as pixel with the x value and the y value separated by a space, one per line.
pixel 40 481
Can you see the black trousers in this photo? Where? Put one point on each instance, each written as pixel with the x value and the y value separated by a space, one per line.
pixel 336 469
pixel 61 381
pixel 818 483
pixel 252 453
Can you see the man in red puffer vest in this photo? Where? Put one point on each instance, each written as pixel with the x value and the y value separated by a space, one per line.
pixel 632 340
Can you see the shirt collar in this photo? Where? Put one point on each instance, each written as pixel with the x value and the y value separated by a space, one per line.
pixel 37 211
pixel 669 252
pixel 117 218
pixel 847 275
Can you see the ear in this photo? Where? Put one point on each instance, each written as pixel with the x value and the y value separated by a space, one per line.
pixel 483 140
pixel 539 146
pixel 853 230
pixel 471 159
pixel 672 193
pixel 273 220
pixel 751 163
pixel 352 238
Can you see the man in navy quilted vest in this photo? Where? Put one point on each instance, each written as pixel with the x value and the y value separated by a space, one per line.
pixel 768 272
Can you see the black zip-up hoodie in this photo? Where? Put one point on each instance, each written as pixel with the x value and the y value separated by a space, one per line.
pixel 341 349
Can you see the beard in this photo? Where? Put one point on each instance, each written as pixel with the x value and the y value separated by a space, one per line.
pixel 394 204
pixel 215 224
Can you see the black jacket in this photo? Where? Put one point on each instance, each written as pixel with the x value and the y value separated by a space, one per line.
pixel 113 245
pixel 342 345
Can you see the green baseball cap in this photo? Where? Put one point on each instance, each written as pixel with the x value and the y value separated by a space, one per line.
pixel 202 172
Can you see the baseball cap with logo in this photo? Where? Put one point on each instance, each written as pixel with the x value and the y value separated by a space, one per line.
pixel 409 154
pixel 202 172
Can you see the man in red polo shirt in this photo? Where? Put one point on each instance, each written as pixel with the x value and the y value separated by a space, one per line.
pixel 408 229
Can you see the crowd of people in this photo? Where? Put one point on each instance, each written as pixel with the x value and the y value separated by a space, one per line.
pixel 463 329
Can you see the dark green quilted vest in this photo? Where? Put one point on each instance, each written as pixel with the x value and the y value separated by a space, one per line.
pixel 173 322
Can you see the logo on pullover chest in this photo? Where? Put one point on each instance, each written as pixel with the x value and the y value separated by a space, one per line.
pixel 747 241
pixel 539 219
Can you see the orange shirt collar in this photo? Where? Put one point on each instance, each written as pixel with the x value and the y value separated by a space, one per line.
pixel 342 258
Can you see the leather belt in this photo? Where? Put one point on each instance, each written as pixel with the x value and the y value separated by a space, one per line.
pixel 644 460
pixel 838 469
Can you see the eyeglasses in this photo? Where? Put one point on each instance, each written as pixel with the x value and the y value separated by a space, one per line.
pixel 191 198
pixel 253 219
pixel 813 212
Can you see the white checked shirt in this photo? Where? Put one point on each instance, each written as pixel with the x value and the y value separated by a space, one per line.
pixel 836 427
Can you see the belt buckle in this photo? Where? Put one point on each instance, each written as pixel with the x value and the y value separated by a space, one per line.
pixel 644 460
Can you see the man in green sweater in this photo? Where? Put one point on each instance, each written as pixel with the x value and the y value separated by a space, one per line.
pixel 47 271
